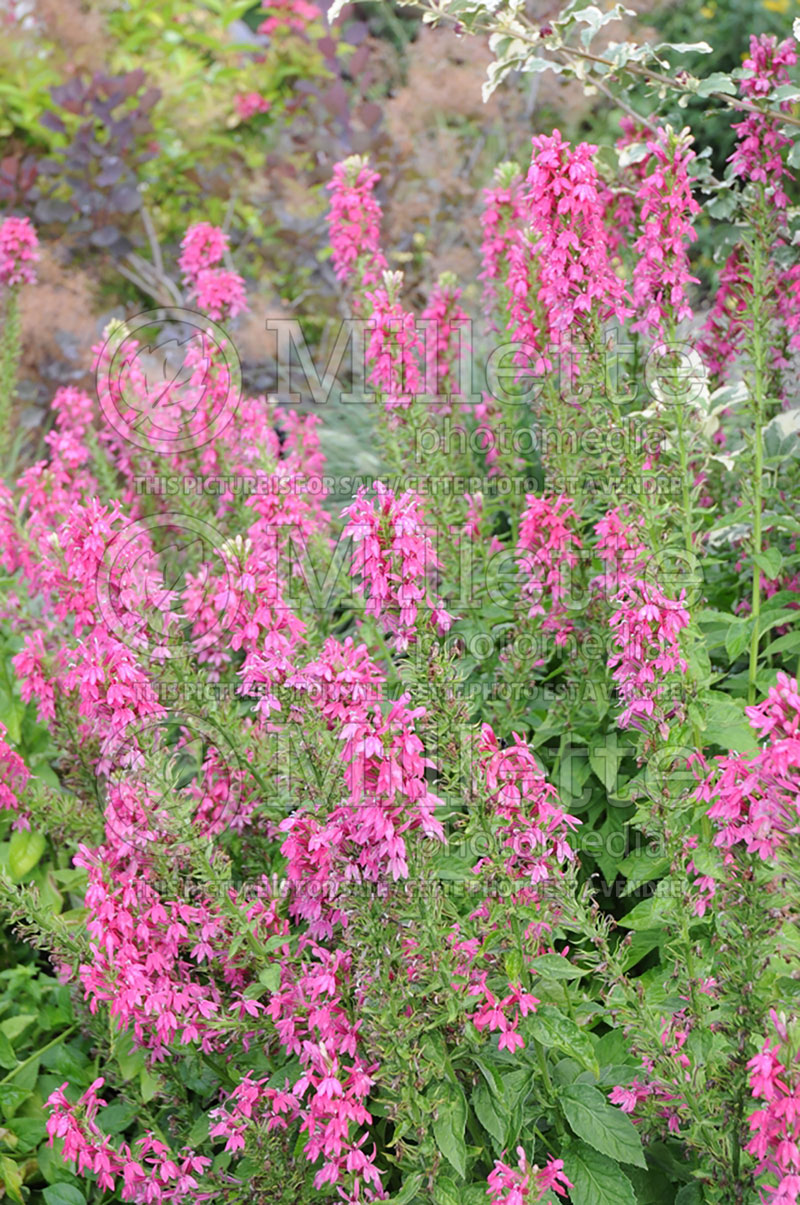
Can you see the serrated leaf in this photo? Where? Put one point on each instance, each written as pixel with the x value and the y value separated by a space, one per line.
pixel 607 1129
pixel 408 1191
pixel 596 1179
pixel 449 1125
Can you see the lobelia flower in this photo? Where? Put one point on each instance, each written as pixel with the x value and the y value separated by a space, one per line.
pixel 754 798
pixel 561 277
pixel 547 548
pixel 501 219
pixel 247 104
pixel 395 348
pixel 758 156
pixel 661 270
pixel 525 1183
pixel 394 557
pixel 14 776
pixel 217 291
pixel 288 15
pixel 19 251
pixel 646 627
pixel 444 320
pixel 153 1173
pixel 775 1081
pixel 354 223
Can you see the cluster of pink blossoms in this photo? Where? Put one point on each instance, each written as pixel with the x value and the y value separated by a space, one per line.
pixel 288 15
pixel 547 548
pixel 14 775
pixel 151 1174
pixel 217 291
pixel 395 348
pixel 247 104
pixel 561 278
pixel 759 153
pixel 446 320
pixel 775 1080
pixel 395 558
pixel 661 271
pixel 18 252
pixel 646 626
pixel 754 798
pixel 354 222
pixel 524 1184
pixel 503 211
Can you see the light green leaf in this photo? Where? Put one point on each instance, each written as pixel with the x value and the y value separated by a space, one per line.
pixel 553 966
pixel 770 562
pixel 25 850
pixel 737 637
pixel 487 1114
pixel 716 82
pixel 270 977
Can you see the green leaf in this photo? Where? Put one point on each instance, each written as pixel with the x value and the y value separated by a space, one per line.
pixel 11 1097
pixel 8 1060
pixel 271 977
pixel 597 1180
pixel 553 966
pixel 449 1126
pixel 604 760
pixel 12 1027
pixel 445 1192
pixel 488 1115
pixel 63 1194
pixel 25 850
pixel 737 637
pixel 716 82
pixel 690 1194
pixel 607 1129
pixel 148 1084
pixel 12 1179
pixel 555 1031
pixel 408 1191
pixel 770 562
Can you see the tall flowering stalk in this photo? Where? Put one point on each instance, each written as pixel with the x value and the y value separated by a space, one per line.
pixel 354 222
pixel 217 291
pixel 18 254
pixel 661 273
pixel 395 559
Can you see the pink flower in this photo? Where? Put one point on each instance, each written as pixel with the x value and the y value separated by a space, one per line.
pixel 354 221
pixel 646 627
pixel 203 246
pixel 547 548
pixel 759 154
pixel 394 557
pixel 247 104
pixel 661 271
pixel 18 252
